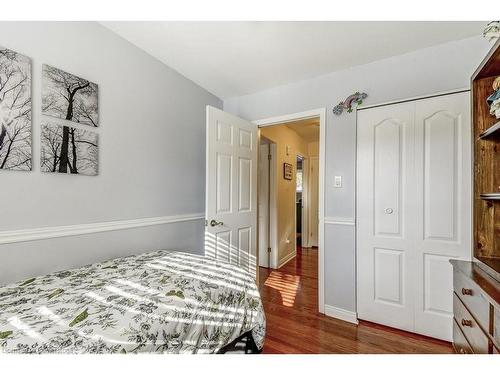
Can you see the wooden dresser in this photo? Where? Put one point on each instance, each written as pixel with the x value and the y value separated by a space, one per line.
pixel 476 309
pixel 476 297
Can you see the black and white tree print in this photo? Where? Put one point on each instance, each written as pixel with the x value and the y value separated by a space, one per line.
pixel 80 156
pixel 15 110
pixel 69 97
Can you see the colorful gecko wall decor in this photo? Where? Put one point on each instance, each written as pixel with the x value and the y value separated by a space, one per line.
pixel 356 98
pixel 492 31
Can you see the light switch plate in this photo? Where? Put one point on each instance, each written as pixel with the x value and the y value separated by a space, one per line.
pixel 337 182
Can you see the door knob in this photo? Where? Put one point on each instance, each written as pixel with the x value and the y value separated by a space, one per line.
pixel 389 211
pixel 214 223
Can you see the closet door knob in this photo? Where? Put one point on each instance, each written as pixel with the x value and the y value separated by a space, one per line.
pixel 389 211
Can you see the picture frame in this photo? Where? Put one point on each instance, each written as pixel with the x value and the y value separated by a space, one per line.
pixel 80 107
pixel 287 171
pixel 15 111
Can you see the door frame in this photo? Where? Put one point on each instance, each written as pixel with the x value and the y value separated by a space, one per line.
pixel 272 218
pixel 305 201
pixel 321 113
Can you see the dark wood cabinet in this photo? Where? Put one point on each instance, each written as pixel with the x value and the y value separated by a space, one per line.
pixel 486 173
pixel 476 295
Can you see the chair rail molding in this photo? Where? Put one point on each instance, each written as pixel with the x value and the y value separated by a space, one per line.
pixel 34 234
pixel 340 220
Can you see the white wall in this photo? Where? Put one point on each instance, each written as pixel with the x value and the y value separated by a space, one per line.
pixel 152 133
pixel 441 68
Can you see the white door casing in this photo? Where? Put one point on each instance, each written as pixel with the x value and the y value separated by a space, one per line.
pixel 321 113
pixel 305 203
pixel 413 158
pixel 231 189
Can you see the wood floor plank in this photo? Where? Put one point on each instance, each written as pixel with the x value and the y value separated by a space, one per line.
pixel 290 297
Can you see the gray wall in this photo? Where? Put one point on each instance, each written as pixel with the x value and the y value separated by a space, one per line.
pixel 152 153
pixel 436 69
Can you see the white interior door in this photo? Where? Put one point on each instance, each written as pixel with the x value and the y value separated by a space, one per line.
pixel 305 203
pixel 413 211
pixel 384 221
pixel 313 201
pixel 264 205
pixel 443 198
pixel 231 189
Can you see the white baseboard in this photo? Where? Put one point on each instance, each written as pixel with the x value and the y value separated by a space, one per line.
pixel 346 315
pixel 33 234
pixel 286 259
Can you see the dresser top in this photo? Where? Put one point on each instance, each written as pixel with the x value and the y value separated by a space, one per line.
pixel 489 286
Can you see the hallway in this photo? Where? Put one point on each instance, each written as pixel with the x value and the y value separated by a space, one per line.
pixel 290 298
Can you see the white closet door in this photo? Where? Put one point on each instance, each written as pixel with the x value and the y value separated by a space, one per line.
pixel 413 211
pixel 385 235
pixel 443 198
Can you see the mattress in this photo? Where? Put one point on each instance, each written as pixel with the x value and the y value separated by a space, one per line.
pixel 157 302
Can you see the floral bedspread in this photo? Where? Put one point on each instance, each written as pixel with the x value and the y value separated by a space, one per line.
pixel 157 302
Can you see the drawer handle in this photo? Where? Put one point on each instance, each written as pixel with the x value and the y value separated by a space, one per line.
pixel 467 292
pixel 467 323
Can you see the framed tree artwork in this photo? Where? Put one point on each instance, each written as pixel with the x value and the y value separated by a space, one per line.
pixel 15 111
pixel 66 149
pixel 69 97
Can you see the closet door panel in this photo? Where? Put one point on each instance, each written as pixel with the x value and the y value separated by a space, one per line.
pixel 443 179
pixel 384 202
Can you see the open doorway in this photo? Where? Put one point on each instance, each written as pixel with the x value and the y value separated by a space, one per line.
pixel 299 203
pixel 289 208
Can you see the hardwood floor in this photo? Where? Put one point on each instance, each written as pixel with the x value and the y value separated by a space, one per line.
pixel 290 297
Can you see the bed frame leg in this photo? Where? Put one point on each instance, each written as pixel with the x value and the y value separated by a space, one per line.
pixel 250 345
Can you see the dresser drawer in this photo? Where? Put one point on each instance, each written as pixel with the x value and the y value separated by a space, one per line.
pixel 472 332
pixel 460 343
pixel 471 297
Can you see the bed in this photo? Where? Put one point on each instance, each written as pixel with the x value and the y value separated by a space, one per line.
pixel 157 302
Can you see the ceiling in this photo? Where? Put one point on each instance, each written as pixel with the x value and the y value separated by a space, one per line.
pixel 236 58
pixel 307 129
